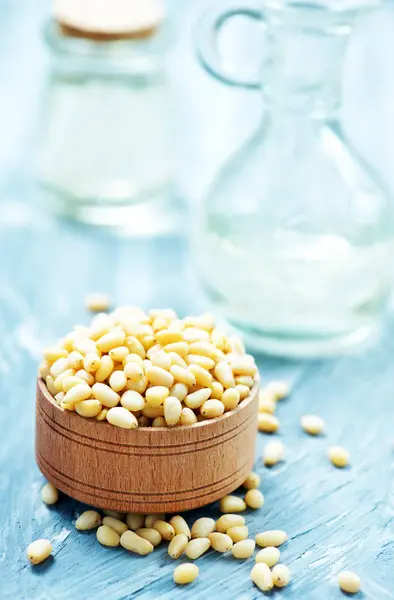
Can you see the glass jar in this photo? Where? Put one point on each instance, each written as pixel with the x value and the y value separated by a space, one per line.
pixel 294 238
pixel 106 142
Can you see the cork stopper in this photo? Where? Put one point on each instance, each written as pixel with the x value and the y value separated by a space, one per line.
pixel 106 20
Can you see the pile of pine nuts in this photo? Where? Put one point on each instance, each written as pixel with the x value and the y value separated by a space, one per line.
pixel 136 369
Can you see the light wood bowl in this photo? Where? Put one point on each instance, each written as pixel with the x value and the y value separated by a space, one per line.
pixel 146 469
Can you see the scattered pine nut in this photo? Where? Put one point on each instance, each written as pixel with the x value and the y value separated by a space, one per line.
pixel 177 545
pixel 134 543
pixel 90 519
pixel 151 519
pixel 165 529
pixel 262 577
pixel 185 573
pixel 254 499
pixel 269 555
pixel 243 549
pixel 278 389
pixel 121 417
pixel 97 302
pixel 203 527
pixel 49 494
pixel 116 514
pixel 349 582
pixel 38 551
pixel 339 456
pixel 135 521
pixel 150 534
pixel 232 504
pixel 281 575
pixel 267 423
pixel 196 547
pixel 229 520
pixel 115 524
pixel 238 533
pixel 252 481
pixel 221 542
pixel 180 526
pixel 312 424
pixel 107 536
pixel 273 453
pixel 273 537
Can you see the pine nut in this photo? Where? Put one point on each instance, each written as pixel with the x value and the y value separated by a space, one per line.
pixel 134 543
pixel 75 360
pixel 185 573
pixel 244 391
pixel 107 536
pixel 59 398
pixel 244 380
pixel 97 302
pixel 231 398
pixel 217 390
pixel 197 399
pixel 252 481
pixel 236 345
pixel 70 381
pixel 91 362
pixel 224 375
pixel 273 453
pixel 104 394
pixel 87 377
pixel 267 403
pixel 43 369
pixel 202 361
pixel 117 381
pixel 232 504
pixel 166 337
pixel 281 575
pixel 52 354
pixel 229 520
pixel 238 533
pixel 105 369
pixel 84 345
pixel 138 386
pixel 201 376
pixel 135 346
pixel 179 390
pixel 162 360
pixel 111 340
pixel 339 456
pixel 133 370
pixel 243 366
pixel 150 534
pixel 193 334
pixel 254 499
pixel 267 423
pixel 119 353
pixel 274 537
pixel 102 416
pixel 172 410
pixel 262 577
pixel 211 409
pixel 159 422
pixel 156 395
pixel 150 520
pixel 115 524
pixel 60 379
pixel 243 549
pixel 164 313
pixel 181 348
pixel 177 545
pixel 269 555
pixel 205 349
pixel 115 514
pixel 38 551
pixel 121 417
pixel 133 401
pixel 135 521
pixel 203 527
pixel 188 417
pixel 165 529
pixel 182 375
pixel 133 358
pixel 196 547
pixel 177 360
pixel 349 582
pixel 180 526
pixel 312 424
pixel 76 394
pixel 221 542
pixel 90 519
pixel 278 389
pixel 88 408
pixel 153 411
pixel 49 494
pixel 159 377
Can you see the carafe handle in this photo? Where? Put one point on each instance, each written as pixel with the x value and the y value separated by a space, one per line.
pixel 208 30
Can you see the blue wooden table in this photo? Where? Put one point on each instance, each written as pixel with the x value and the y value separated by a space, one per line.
pixel 335 518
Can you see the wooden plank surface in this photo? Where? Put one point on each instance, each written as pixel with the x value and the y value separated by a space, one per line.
pixel 335 518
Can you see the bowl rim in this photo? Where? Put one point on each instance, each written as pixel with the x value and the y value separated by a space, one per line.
pixel 156 430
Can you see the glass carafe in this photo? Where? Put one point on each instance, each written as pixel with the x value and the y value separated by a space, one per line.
pixel 294 236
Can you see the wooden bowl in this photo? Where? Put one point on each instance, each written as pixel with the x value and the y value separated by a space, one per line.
pixel 146 469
